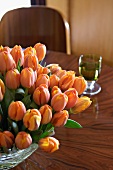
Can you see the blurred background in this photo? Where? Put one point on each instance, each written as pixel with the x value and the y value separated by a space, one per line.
pixel 91 23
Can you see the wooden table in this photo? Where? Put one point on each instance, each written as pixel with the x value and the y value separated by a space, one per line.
pixel 89 148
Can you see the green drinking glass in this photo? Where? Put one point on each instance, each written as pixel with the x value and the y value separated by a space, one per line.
pixel 90 68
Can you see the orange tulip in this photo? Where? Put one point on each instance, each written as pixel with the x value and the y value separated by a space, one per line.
pixel 67 81
pixel 72 97
pixel 12 76
pixel 54 68
pixel 41 95
pixel 59 101
pixel 49 144
pixel 42 79
pixel 16 110
pixel 6 48
pixel 46 70
pixel 42 70
pixel 54 80
pixel 6 62
pixel 46 113
pixel 80 84
pixel 29 51
pixel 6 139
pixel 82 104
pixel 55 90
pixel 60 118
pixel 32 119
pixel 31 61
pixel 40 51
pixel 28 77
pixel 60 73
pixel 17 54
pixel 23 140
pixel 2 90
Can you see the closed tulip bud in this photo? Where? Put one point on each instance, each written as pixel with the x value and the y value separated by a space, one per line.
pixel 41 95
pixel 6 48
pixel 31 61
pixel 6 139
pixel 6 62
pixel 60 118
pixel 55 90
pixel 42 70
pixel 29 51
pixel 42 79
pixel 46 70
pixel 28 77
pixel 39 69
pixel 17 54
pixel 49 144
pixel 54 68
pixel 16 110
pixel 46 113
pixel 82 104
pixel 59 101
pixel 60 73
pixel 66 81
pixel 40 51
pixel 12 76
pixel 72 97
pixel 32 119
pixel 54 80
pixel 23 140
pixel 80 84
pixel 2 90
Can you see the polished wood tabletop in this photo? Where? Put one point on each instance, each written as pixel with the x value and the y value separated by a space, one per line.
pixel 88 148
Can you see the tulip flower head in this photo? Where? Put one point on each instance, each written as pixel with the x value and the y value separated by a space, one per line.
pixel 49 144
pixel 6 62
pixel 17 54
pixel 16 110
pixel 23 140
pixel 2 90
pixel 41 95
pixel 6 139
pixel 32 119
pixel 28 77
pixel 40 51
pixel 59 101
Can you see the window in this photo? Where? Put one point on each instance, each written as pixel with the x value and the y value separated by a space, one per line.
pixel 7 5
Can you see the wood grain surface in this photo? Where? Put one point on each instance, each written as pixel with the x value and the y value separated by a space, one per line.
pixel 89 148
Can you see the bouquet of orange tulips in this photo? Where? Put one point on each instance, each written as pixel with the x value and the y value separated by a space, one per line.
pixel 34 99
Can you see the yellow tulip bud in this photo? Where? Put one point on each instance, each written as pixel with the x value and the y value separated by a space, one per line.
pixel 82 104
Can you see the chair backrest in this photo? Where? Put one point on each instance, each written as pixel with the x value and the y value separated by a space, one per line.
pixel 27 26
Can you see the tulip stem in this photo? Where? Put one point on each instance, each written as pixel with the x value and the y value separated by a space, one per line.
pixel 26 92
pixel 41 127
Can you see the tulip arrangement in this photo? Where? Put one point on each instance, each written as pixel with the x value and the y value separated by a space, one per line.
pixel 34 99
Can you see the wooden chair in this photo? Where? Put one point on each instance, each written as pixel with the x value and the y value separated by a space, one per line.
pixel 27 26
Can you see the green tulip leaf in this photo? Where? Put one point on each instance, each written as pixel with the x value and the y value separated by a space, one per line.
pixel 19 65
pixel 36 134
pixel 50 132
pixel 33 105
pixel 72 124
pixel 8 98
pixel 27 101
pixel 13 125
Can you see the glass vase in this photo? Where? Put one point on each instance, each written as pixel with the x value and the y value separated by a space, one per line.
pixel 12 159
